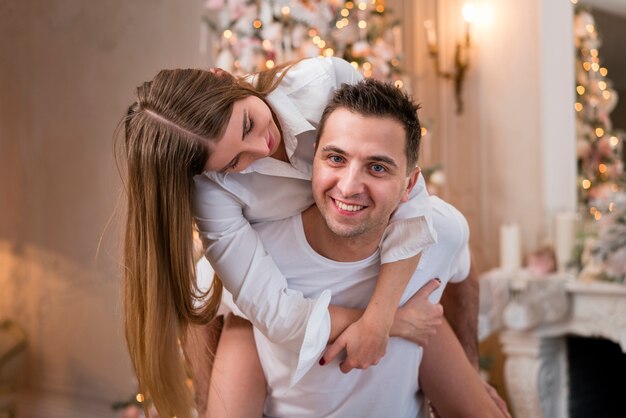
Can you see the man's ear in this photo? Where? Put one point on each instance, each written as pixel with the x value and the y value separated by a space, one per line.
pixel 411 180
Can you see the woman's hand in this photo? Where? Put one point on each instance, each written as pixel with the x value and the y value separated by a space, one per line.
pixel 365 340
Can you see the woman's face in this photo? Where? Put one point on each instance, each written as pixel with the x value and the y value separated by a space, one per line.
pixel 251 134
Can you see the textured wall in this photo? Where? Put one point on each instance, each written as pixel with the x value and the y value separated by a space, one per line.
pixel 67 71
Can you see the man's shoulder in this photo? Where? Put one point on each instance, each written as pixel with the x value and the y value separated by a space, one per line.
pixel 450 224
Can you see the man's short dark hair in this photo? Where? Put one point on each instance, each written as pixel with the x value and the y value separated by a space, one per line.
pixel 371 97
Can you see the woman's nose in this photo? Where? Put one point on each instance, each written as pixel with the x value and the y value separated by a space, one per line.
pixel 257 147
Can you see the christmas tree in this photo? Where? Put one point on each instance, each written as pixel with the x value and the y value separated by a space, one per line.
pixel 600 167
pixel 251 35
pixel 601 180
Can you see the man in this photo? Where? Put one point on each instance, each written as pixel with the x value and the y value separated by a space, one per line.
pixel 365 165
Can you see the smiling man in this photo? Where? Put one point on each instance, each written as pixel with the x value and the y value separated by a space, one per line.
pixel 364 167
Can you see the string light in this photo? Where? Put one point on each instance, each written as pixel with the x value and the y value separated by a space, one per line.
pixel 329 52
pixel 228 33
pixel 586 184
pixel 339 24
pixel 580 90
pixel 606 94
pixel 349 5
pixel 587 66
pixel 604 71
pixel 597 215
pixel 595 67
pixel 602 85
pixel 139 397
pixel 367 66
pixel 362 24
pixel 589 28
pixel 594 53
pixel 345 12
pixel 611 206
pixel 602 168
pixel 285 10
pixel 599 132
pixel 399 84
pixel 257 24
pixel 355 65
pixel 362 6
pixel 269 64
pixel 578 107
pixel 380 8
pixel 614 141
pixel 424 131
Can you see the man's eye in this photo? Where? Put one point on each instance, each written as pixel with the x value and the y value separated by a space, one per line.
pixel 335 159
pixel 377 168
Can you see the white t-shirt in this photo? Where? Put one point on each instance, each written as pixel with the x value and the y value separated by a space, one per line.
pixel 386 390
pixel 225 206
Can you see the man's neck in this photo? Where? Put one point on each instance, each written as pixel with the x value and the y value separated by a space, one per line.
pixel 327 244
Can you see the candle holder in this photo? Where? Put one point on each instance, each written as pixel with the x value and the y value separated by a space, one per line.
pixel 461 55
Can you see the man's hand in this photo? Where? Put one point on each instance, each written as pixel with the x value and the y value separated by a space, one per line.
pixel 497 399
pixel 418 319
pixel 365 341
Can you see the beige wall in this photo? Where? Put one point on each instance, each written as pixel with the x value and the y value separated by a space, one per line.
pixel 509 157
pixel 67 71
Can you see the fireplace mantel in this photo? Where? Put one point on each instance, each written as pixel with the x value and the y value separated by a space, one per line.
pixel 534 315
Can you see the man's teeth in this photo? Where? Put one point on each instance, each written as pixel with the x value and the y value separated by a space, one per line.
pixel 349 208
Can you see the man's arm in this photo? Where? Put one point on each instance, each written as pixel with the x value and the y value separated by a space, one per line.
pixel 460 307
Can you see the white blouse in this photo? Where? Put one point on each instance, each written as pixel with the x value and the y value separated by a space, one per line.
pixel 226 204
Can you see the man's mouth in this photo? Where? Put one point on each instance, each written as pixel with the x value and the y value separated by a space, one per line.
pixel 347 207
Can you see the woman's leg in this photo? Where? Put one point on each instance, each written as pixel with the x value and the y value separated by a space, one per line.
pixel 449 381
pixel 237 388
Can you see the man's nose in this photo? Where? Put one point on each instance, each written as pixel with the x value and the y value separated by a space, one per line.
pixel 350 182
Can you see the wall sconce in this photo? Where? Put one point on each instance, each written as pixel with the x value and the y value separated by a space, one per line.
pixel 461 54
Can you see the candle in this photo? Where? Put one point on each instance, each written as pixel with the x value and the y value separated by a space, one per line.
pixel 431 35
pixel 510 247
pixel 564 238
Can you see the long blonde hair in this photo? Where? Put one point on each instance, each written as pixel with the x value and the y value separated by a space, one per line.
pixel 165 146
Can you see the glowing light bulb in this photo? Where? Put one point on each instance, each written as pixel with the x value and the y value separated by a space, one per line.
pixel 602 168
pixel 580 90
pixel 228 33
pixel 469 12
pixel 362 24
pixel 599 132
pixel 578 107
pixel 586 184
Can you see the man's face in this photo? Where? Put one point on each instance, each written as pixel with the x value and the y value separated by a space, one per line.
pixel 360 173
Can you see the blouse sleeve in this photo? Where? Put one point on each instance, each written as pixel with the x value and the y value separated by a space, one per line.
pixel 411 227
pixel 258 288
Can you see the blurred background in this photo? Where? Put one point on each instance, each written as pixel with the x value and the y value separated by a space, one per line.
pixel 523 132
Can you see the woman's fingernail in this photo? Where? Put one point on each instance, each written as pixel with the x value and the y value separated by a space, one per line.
pixel 322 361
pixel 438 281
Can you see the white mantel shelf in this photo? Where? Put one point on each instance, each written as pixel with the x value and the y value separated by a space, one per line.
pixel 535 315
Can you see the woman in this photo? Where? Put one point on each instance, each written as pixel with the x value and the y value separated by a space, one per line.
pixel 186 123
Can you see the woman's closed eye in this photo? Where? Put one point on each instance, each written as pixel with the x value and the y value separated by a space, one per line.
pixel 249 126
